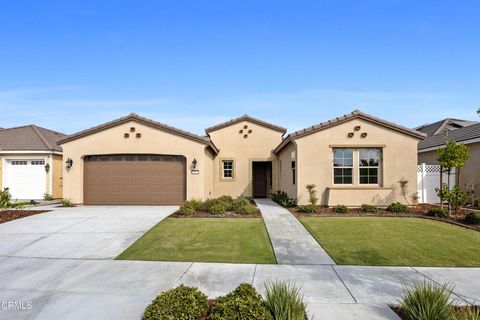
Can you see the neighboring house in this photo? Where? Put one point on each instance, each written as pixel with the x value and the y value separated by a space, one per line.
pixel 461 131
pixel 352 159
pixel 31 162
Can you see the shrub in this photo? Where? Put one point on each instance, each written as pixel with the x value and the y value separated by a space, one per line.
pixel 67 202
pixel 197 204
pixel 455 197
pixel 476 203
pixel 244 303
pixel 5 198
pixel 282 198
pixel 472 218
pixel 467 313
pixel 246 209
pixel 437 212
pixel 47 197
pixel 312 192
pixel 240 202
pixel 308 208
pixel 369 208
pixel 427 302
pixel 187 208
pixel 397 207
pixel 182 302
pixel 217 208
pixel 284 301
pixel 340 209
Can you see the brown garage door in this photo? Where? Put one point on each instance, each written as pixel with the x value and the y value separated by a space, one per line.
pixel 134 179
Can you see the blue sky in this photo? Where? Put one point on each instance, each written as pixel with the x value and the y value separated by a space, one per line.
pixel 69 65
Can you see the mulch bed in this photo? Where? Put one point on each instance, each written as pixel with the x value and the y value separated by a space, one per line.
pixel 419 211
pixel 202 214
pixel 9 215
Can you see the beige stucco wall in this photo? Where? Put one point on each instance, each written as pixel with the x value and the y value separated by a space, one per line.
pixel 152 141
pixel 315 157
pixel 469 174
pixel 57 179
pixel 258 146
pixel 285 181
pixel 1 173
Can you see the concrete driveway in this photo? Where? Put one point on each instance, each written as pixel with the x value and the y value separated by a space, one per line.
pixel 86 232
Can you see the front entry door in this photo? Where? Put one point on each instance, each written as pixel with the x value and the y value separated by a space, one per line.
pixel 261 178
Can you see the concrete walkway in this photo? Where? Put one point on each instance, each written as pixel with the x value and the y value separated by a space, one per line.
pixel 111 289
pixel 291 242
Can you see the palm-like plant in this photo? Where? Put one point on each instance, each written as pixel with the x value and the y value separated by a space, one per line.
pixel 427 301
pixel 285 301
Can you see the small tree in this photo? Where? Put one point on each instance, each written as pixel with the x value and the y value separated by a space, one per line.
pixel 404 189
pixel 452 156
pixel 312 193
pixel 5 198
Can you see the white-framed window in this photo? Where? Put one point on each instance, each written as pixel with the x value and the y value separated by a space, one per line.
pixel 342 166
pixel 227 169
pixel 369 162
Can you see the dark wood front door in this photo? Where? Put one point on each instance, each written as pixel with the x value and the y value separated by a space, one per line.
pixel 261 178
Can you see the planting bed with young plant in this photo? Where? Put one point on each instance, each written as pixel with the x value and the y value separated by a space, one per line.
pixel 222 207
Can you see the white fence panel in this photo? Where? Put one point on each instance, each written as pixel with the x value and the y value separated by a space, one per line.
pixel 428 179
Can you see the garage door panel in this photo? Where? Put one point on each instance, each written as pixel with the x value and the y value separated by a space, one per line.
pixel 149 182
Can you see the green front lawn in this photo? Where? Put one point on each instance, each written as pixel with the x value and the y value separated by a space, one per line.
pixel 395 241
pixel 238 240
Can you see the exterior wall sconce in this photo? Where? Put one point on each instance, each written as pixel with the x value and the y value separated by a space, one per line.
pixel 69 163
pixel 350 134
pixel 47 167
pixel 194 163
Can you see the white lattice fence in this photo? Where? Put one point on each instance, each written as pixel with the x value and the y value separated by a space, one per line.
pixel 428 179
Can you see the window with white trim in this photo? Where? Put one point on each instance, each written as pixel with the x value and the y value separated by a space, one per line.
pixel 342 166
pixel 227 169
pixel 369 162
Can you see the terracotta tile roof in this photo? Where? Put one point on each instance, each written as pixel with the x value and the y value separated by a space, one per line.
pixel 347 117
pixel 29 137
pixel 245 118
pixel 146 121
pixel 459 135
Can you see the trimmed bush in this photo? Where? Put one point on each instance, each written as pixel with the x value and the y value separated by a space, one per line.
pixel 427 302
pixel 308 208
pixel 246 209
pixel 282 198
pixel 67 203
pixel 187 208
pixel 244 303
pixel 217 208
pixel 340 209
pixel 369 208
pixel 438 213
pixel 397 207
pixel 472 218
pixel 5 198
pixel 182 303
pixel 284 301
pixel 47 197
pixel 240 202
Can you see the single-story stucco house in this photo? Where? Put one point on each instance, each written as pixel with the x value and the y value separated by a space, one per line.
pixel 461 131
pixel 31 162
pixel 353 159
